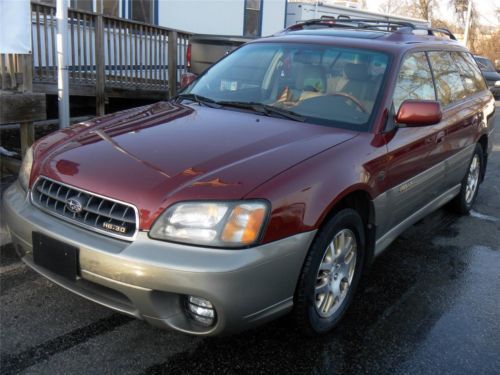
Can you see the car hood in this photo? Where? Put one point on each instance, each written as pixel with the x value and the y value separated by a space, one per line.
pixel 156 155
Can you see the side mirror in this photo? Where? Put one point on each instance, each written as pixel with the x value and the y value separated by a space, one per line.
pixel 414 113
pixel 187 78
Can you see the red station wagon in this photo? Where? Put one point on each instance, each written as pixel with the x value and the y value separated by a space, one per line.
pixel 267 186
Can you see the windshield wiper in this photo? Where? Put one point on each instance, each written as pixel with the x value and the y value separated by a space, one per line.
pixel 265 109
pixel 199 99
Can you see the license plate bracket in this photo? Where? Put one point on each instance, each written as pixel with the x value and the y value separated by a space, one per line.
pixel 56 256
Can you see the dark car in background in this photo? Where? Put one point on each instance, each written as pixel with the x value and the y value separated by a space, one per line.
pixel 491 76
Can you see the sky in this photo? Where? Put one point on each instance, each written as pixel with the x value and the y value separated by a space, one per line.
pixel 486 9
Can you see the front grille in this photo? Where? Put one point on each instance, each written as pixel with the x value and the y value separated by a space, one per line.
pixel 98 213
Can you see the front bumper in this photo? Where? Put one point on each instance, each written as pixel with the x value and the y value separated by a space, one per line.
pixel 149 279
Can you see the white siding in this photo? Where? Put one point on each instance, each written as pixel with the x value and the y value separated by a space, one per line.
pixel 273 17
pixel 222 17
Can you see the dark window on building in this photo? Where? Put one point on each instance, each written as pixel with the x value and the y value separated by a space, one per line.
pixel 87 5
pixel 142 10
pixel 253 21
pixel 414 80
pixel 449 85
pixel 107 7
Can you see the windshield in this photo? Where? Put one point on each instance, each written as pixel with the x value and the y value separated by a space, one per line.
pixel 485 65
pixel 320 84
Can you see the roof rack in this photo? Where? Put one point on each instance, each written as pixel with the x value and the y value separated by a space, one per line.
pixel 365 23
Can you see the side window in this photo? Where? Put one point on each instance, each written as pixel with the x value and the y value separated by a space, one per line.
pixel 469 78
pixel 414 80
pixel 449 84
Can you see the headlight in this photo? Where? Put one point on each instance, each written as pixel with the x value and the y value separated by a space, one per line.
pixel 497 83
pixel 218 224
pixel 25 171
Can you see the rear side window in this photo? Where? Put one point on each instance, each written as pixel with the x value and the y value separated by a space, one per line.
pixel 449 85
pixel 414 80
pixel 471 75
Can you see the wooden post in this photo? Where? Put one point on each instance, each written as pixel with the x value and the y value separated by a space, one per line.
pixel 172 63
pixel 100 99
pixel 27 129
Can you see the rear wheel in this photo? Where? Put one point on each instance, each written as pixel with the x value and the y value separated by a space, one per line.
pixel 330 274
pixel 463 202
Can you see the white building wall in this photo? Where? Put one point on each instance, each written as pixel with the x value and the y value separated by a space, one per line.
pixel 273 16
pixel 222 17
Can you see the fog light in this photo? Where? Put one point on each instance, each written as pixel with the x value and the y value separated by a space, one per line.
pixel 201 310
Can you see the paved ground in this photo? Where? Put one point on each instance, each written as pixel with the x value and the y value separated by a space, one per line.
pixel 430 305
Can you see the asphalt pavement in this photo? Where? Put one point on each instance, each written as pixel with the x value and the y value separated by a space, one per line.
pixel 431 304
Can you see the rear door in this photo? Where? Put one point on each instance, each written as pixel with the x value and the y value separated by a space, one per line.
pixel 416 167
pixel 460 89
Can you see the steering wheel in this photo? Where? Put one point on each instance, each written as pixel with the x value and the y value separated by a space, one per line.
pixel 351 98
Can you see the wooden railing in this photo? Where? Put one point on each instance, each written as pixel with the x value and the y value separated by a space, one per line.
pixel 109 52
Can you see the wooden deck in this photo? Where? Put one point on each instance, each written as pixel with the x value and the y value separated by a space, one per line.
pixel 109 57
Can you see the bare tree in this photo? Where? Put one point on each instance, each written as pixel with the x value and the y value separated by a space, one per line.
pixel 392 6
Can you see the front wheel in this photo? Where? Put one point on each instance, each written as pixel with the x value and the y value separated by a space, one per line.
pixel 463 202
pixel 330 274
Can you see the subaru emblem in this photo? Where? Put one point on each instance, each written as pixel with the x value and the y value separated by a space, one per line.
pixel 74 205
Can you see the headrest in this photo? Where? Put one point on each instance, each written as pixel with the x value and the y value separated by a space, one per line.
pixel 311 78
pixel 357 72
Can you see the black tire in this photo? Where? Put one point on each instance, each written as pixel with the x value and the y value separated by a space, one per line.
pixel 460 204
pixel 305 315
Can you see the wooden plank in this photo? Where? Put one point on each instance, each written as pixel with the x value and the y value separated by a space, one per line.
pixel 120 51
pixel 91 48
pixel 28 72
pixel 72 44
pixel 172 63
pixel 157 62
pixel 38 45
pixel 79 46
pixel 84 37
pixel 3 71
pixel 22 107
pixel 115 57
pixel 89 90
pixel 165 61
pixel 100 97
pixel 141 36
pixel 150 45
pixel 135 54
pixel 126 40
pixel 107 31
pixel 46 41
pixel 12 70
pixel 53 43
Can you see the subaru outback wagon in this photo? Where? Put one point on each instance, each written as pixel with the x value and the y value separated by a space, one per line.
pixel 267 186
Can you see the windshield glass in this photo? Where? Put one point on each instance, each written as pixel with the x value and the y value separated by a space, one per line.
pixel 326 85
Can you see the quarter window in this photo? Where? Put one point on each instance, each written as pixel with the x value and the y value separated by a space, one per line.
pixel 414 80
pixel 449 84
pixel 471 76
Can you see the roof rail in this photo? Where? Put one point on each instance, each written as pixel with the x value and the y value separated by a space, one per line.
pixel 432 31
pixel 365 23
